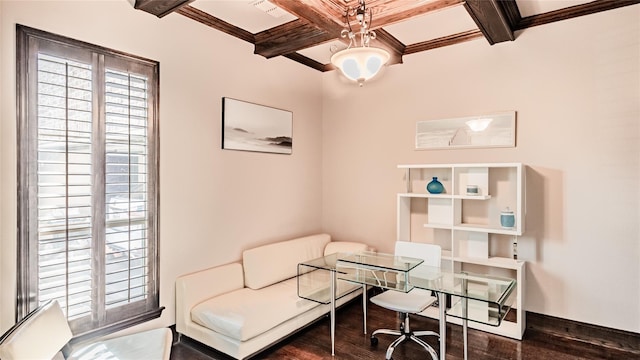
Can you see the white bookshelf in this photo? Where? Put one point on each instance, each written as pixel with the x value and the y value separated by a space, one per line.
pixel 467 227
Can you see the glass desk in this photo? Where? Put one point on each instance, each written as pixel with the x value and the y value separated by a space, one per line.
pixel 474 297
pixel 317 278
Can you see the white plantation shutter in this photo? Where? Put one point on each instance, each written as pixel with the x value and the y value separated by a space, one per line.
pixel 64 195
pixel 126 188
pixel 88 193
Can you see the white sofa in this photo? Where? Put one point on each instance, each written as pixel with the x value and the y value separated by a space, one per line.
pixel 44 334
pixel 244 307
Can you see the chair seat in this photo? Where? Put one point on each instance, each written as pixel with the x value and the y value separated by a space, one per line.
pixel 415 301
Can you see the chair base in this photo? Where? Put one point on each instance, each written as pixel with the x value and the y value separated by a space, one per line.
pixel 405 334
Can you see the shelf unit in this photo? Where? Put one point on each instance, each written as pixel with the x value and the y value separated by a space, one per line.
pixel 467 227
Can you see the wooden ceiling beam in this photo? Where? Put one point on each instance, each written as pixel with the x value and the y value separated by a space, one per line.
pixel 443 41
pixel 312 28
pixel 299 58
pixel 311 11
pixel 491 20
pixel 391 44
pixel 288 38
pixel 511 11
pixel 571 12
pixel 397 11
pixel 326 16
pixel 160 8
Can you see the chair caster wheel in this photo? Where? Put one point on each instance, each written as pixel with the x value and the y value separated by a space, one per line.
pixel 374 341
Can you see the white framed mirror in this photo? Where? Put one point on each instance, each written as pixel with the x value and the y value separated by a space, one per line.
pixel 494 130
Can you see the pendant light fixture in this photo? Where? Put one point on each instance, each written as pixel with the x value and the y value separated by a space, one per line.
pixel 363 62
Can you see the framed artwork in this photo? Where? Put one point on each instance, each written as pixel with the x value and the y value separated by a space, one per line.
pixel 484 131
pixel 251 127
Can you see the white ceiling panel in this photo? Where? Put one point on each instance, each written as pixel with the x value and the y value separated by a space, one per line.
pixel 433 25
pixel 243 13
pixel 534 7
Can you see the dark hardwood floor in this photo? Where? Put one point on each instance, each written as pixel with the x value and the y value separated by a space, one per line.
pixel 313 342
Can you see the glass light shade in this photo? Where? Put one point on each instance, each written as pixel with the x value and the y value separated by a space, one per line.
pixel 360 63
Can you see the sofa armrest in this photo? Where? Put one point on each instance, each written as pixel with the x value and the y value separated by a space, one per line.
pixel 40 335
pixel 345 247
pixel 192 289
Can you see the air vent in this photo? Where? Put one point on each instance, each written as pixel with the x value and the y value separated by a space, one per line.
pixel 269 8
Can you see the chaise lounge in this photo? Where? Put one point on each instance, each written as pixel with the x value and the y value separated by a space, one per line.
pixel 244 307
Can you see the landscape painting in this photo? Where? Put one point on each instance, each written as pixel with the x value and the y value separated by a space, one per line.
pixel 251 127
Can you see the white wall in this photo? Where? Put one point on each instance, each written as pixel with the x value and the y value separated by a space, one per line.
pixel 575 86
pixel 214 203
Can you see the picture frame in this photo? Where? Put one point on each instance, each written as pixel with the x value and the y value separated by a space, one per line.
pixel 248 126
pixel 482 131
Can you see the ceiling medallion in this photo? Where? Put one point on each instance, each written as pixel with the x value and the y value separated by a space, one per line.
pixel 360 63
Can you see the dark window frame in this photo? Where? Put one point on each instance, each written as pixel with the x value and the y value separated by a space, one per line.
pixel 28 41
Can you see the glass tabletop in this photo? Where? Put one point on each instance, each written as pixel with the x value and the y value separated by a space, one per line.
pixel 379 261
pixel 381 270
pixel 314 279
pixel 476 297
pixel 492 288
pixel 327 262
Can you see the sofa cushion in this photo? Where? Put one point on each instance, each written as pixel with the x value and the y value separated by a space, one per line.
pixel 269 264
pixel 245 313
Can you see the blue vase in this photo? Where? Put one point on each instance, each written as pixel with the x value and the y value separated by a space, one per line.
pixel 435 186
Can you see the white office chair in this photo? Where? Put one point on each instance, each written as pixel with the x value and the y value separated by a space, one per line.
pixel 412 302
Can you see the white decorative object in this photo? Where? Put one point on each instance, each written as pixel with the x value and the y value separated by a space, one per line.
pixel 507 218
pixel 473 190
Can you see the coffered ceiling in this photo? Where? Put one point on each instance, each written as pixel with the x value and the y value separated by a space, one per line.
pixel 308 31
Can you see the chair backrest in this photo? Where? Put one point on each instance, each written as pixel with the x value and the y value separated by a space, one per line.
pixel 430 253
pixel 40 335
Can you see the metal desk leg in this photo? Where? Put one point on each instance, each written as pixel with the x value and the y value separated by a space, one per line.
pixel 364 306
pixel 464 335
pixel 442 304
pixel 465 316
pixel 333 312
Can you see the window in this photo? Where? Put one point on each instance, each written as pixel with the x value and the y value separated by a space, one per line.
pixel 88 182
